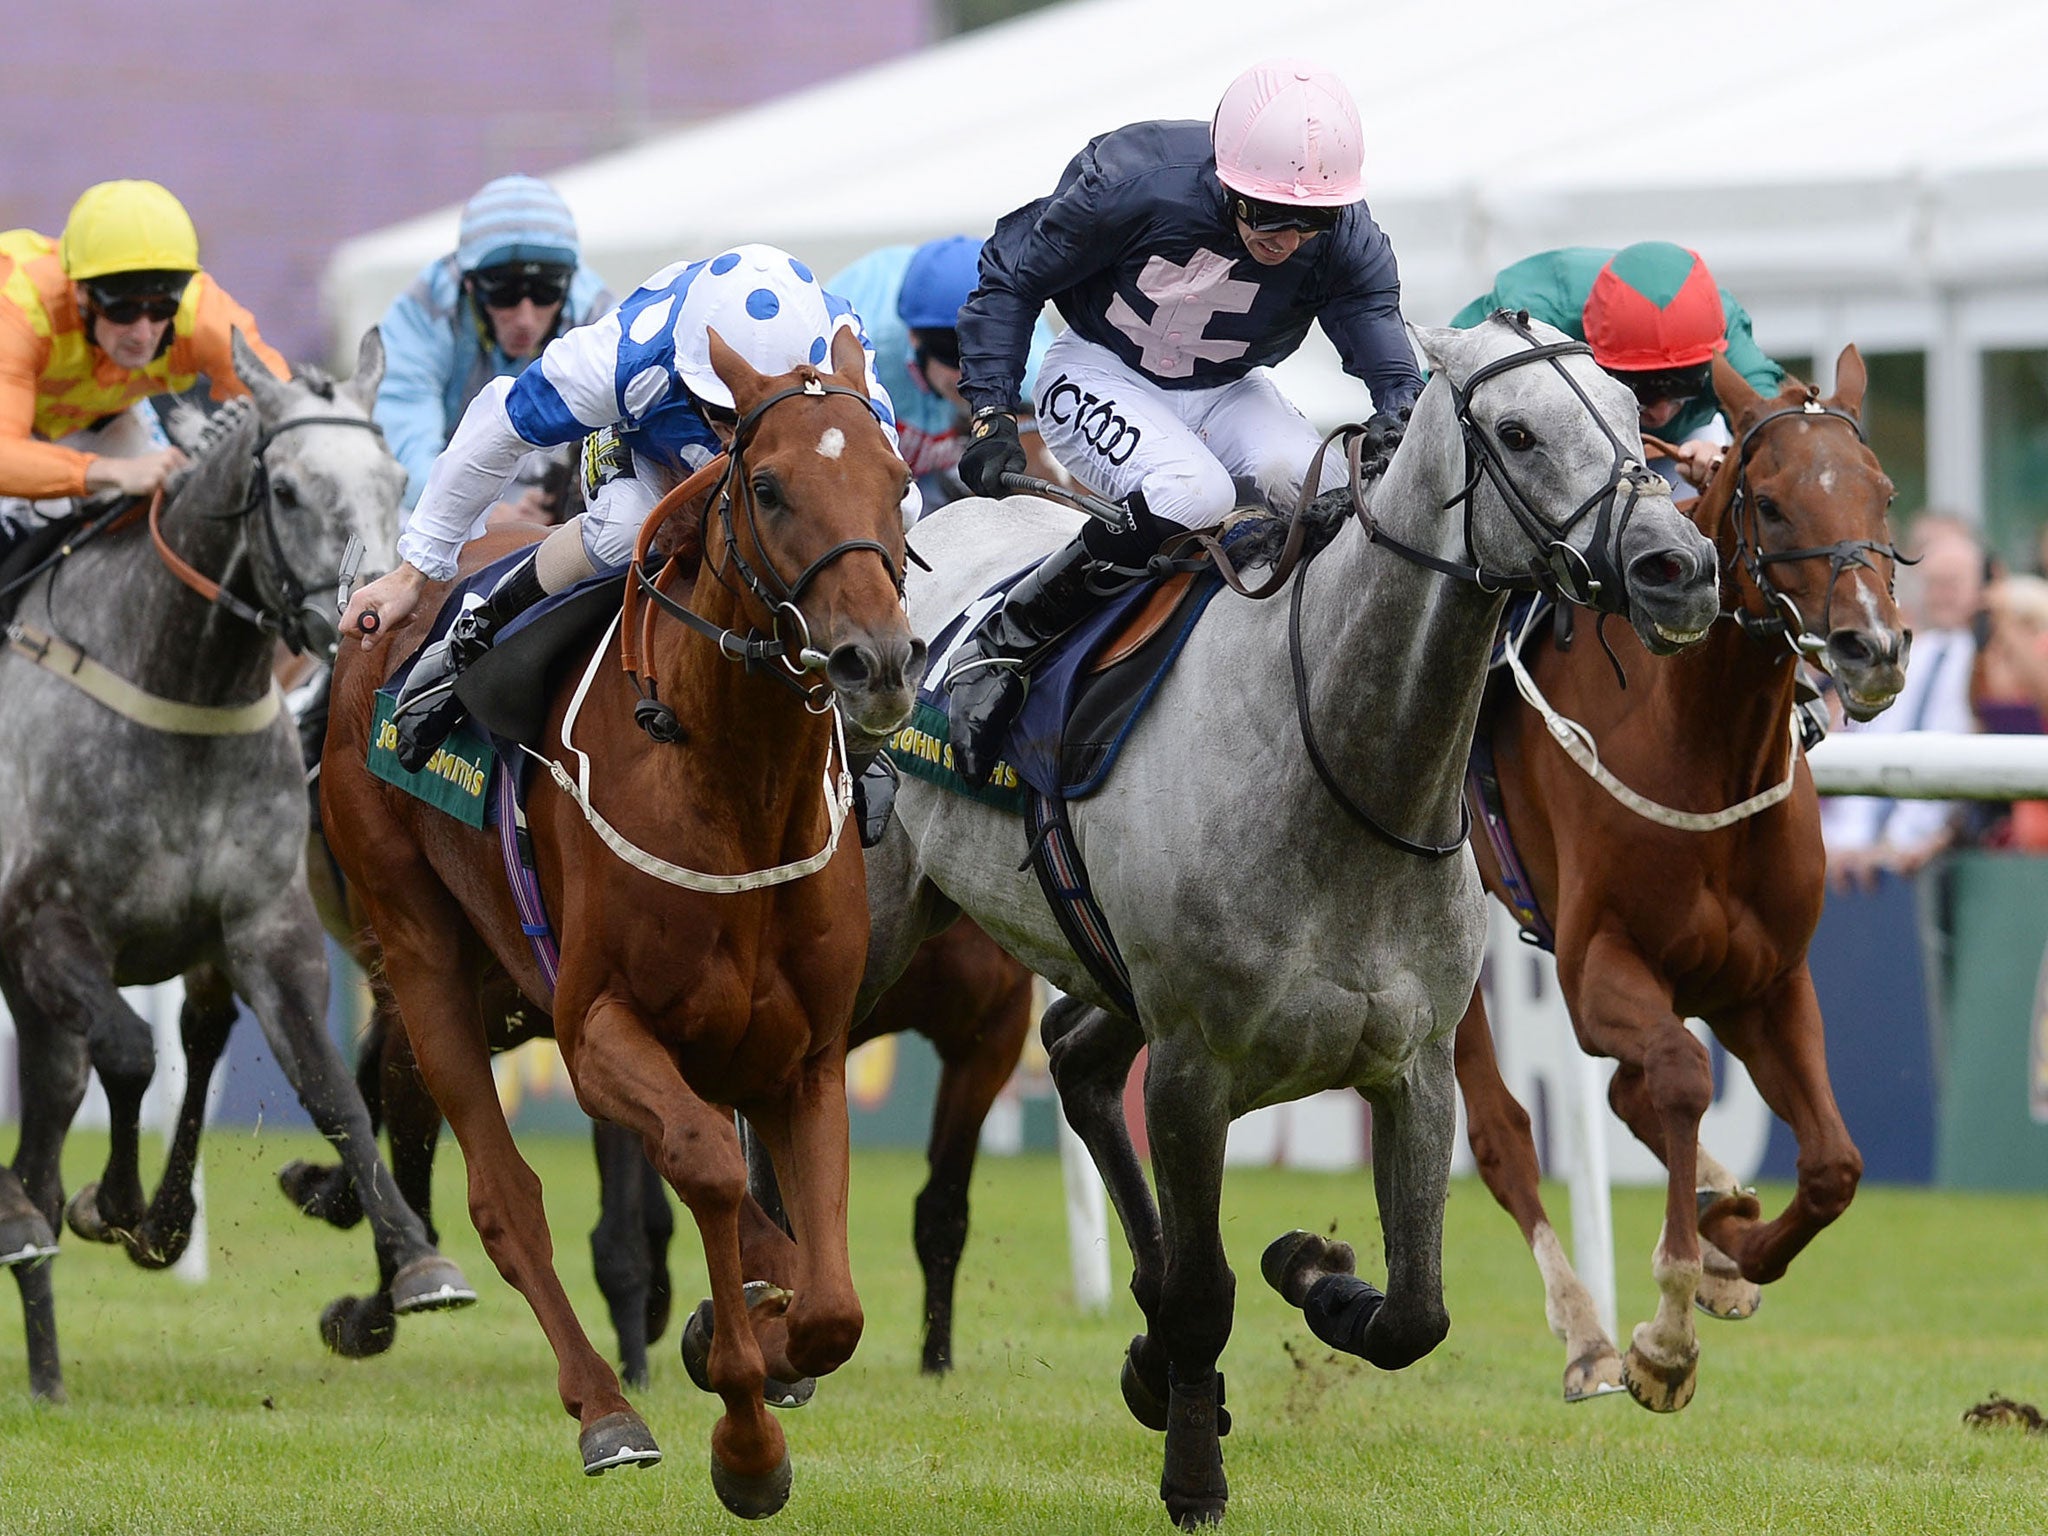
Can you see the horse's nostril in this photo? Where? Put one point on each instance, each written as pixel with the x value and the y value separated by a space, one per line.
pixel 1660 570
pixel 1852 647
pixel 850 665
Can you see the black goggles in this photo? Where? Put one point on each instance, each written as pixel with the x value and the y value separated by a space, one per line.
pixel 505 287
pixel 1272 218
pixel 1667 384
pixel 127 308
pixel 936 347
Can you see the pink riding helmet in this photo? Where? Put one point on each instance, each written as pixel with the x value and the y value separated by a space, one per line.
pixel 1287 132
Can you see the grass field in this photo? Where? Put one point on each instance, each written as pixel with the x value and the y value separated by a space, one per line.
pixel 1835 1410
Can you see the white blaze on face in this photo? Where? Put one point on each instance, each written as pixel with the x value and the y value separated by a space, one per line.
pixel 832 444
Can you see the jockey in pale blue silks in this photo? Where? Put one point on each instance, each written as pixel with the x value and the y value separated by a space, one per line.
pixel 909 299
pixel 639 381
pixel 514 282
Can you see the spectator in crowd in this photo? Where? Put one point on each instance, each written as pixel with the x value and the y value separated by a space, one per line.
pixel 1941 597
pixel 2015 685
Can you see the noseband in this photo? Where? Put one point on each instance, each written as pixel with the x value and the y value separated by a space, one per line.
pixel 1592 581
pixel 788 638
pixel 282 610
pixel 1782 618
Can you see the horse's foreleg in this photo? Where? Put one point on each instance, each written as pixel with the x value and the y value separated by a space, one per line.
pixel 203 1024
pixel 1413 1124
pixel 1621 1008
pixel 619 1255
pixel 976 1068
pixel 623 1074
pixel 1187 1111
pixel 1505 1150
pixel 1089 1053
pixel 1780 1040
pixel 279 967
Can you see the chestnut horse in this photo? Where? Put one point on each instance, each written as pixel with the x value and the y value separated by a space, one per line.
pixel 1660 917
pixel 681 995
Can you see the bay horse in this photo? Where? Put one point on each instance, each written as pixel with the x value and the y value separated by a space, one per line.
pixel 1281 936
pixel 153 816
pixel 961 992
pixel 681 995
pixel 1702 903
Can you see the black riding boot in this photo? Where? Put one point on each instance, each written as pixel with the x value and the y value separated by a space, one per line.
pixel 427 709
pixel 987 681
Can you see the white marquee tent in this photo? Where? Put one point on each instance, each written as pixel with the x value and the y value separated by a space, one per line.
pixel 1868 170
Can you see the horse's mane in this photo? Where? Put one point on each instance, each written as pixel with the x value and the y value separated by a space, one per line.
pixel 1257 538
pixel 223 449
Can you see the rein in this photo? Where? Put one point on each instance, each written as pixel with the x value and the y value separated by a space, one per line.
pixel 285 618
pixel 646 594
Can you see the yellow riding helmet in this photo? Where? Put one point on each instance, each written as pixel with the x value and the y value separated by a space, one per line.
pixel 128 226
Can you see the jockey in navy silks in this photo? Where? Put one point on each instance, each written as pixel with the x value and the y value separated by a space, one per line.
pixel 1186 257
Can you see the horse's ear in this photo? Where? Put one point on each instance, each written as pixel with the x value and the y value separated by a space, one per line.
pixel 737 374
pixel 849 359
pixel 369 369
pixel 1441 345
pixel 1850 380
pixel 272 397
pixel 1736 393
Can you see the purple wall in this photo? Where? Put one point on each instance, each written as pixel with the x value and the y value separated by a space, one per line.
pixel 287 128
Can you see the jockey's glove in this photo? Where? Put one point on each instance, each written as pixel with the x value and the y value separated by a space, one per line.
pixel 1383 434
pixel 992 451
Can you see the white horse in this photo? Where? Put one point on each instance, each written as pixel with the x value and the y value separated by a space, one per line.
pixel 1276 945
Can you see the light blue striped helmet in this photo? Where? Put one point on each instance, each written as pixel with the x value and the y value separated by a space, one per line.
pixel 516 218
pixel 765 304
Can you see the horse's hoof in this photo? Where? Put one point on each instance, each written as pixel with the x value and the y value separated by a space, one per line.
pixel 82 1216
pixel 429 1284
pixel 1596 1374
pixel 1192 1514
pixel 26 1239
pixel 357 1327
pixel 1723 1291
pixel 321 1190
pixel 752 1498
pixel 696 1351
pixel 1660 1388
pixel 1294 1261
pixel 617 1440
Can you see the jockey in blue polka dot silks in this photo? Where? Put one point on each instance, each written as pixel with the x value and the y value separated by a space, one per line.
pixel 1186 257
pixel 639 382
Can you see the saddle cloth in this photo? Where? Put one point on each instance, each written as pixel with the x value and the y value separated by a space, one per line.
pixel 1084 695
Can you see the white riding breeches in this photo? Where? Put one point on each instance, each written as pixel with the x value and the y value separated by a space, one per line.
pixel 1195 453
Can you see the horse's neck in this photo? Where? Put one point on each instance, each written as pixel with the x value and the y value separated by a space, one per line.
pixel 749 741
pixel 138 618
pixel 1376 626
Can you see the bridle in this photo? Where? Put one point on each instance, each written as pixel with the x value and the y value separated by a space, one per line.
pixel 1562 571
pixel 1781 618
pixel 281 607
pixel 787 640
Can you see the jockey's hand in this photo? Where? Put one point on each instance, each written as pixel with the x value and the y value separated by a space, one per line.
pixel 139 476
pixel 1383 433
pixel 992 451
pixel 1697 461
pixel 391 598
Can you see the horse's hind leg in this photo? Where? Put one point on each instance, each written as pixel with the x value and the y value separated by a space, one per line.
pixel 1780 1040
pixel 1089 1053
pixel 1620 1008
pixel 204 1021
pixel 624 1075
pixel 53 1067
pixel 279 966
pixel 620 1254
pixel 979 1054
pixel 322 1189
pixel 1505 1150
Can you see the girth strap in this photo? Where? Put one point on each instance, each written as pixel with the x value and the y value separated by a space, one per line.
pixel 63 659
pixel 1064 880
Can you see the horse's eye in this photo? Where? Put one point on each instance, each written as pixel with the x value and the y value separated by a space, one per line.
pixel 1769 508
pixel 767 494
pixel 285 494
pixel 1516 436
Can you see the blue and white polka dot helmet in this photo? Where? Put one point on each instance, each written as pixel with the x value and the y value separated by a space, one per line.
pixel 764 304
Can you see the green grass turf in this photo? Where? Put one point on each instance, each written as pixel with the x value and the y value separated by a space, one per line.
pixel 1835 1410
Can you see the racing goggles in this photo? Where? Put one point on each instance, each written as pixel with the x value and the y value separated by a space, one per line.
pixel 505 287
pixel 1263 218
pixel 122 304
pixel 935 347
pixel 1667 384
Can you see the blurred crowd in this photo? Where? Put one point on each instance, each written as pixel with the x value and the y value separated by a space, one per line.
pixel 1979 663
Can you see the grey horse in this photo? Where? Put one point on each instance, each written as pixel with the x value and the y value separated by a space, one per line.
pixel 131 853
pixel 1276 945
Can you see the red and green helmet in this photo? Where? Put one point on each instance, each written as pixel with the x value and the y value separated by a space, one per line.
pixel 1654 306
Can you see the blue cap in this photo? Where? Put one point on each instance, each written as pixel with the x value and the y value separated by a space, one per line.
pixel 516 218
pixel 941 274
